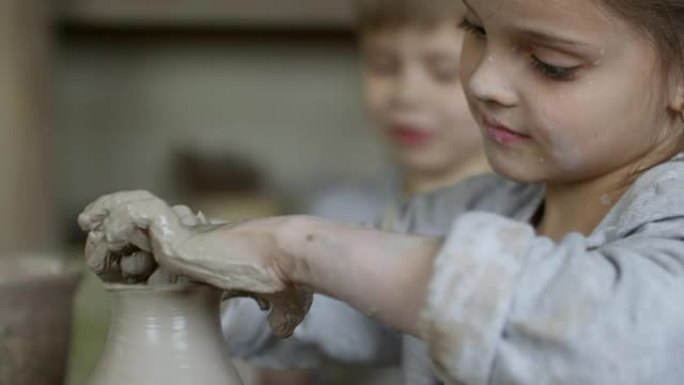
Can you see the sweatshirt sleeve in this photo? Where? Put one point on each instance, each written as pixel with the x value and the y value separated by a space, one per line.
pixel 332 331
pixel 505 306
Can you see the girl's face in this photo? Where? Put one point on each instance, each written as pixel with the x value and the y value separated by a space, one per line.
pixel 564 91
pixel 414 95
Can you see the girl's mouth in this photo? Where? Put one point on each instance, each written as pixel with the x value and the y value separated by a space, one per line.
pixel 502 134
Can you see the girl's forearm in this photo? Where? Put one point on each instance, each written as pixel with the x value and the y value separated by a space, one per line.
pixel 384 275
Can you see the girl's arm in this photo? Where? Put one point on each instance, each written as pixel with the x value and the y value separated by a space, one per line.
pixel 384 275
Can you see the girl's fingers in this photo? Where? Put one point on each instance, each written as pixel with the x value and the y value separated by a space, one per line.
pixel 138 266
pixel 96 251
pixel 118 231
pixel 127 224
pixel 91 218
pixel 186 216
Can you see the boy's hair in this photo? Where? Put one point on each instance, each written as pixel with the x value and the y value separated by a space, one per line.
pixel 662 21
pixel 382 14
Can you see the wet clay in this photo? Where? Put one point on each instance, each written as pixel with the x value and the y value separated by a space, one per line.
pixel 36 298
pixel 164 330
pixel 125 228
pixel 122 226
pixel 166 335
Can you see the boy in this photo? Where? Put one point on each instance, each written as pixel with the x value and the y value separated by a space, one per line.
pixel 410 64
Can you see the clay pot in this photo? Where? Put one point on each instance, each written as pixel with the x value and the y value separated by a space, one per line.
pixel 166 335
pixel 36 298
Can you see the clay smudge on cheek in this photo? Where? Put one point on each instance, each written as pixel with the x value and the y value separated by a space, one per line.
pixel 563 151
pixel 567 154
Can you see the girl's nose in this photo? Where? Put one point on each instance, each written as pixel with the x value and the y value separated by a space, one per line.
pixel 489 83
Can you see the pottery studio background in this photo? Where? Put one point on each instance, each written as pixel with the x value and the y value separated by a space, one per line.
pixel 235 107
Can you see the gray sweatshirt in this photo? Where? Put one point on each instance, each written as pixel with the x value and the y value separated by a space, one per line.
pixel 507 307
pixel 333 331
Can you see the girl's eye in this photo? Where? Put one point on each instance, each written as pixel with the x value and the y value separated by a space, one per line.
pixel 554 72
pixel 471 27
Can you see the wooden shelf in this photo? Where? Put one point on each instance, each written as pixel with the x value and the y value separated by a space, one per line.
pixel 209 13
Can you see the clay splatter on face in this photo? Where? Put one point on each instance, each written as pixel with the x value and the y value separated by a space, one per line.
pixel 606 200
pixel 566 154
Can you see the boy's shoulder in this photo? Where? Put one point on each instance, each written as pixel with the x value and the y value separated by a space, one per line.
pixel 492 193
pixel 434 213
pixel 354 201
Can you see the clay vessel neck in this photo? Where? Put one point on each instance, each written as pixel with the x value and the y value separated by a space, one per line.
pixel 165 335
pixel 177 313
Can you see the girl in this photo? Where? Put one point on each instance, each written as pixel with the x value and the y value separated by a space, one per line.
pixel 585 97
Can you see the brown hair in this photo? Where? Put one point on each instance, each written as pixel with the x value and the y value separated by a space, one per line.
pixel 381 14
pixel 662 21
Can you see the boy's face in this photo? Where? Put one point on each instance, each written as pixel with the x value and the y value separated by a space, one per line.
pixel 414 95
pixel 564 91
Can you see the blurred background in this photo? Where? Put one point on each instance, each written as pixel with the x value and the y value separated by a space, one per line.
pixel 239 108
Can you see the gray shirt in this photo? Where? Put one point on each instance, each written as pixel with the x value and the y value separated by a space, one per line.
pixel 333 331
pixel 506 306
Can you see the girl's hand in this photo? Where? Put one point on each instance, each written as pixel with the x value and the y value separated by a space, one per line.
pixel 243 260
pixel 121 223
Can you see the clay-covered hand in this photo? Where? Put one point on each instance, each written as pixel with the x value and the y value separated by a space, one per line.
pixel 124 227
pixel 121 228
